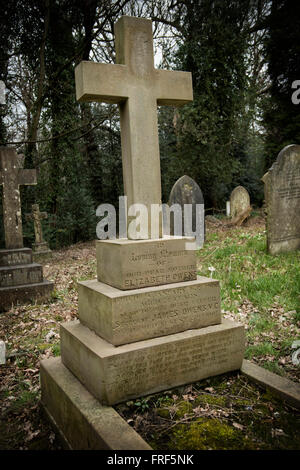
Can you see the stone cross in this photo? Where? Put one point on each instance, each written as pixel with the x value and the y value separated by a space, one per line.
pixel 37 216
pixel 138 88
pixel 12 175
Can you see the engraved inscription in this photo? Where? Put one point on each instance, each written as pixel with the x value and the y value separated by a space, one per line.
pixel 137 265
pixel 20 276
pixel 15 258
pixel 166 311
pixel 173 363
pixel 282 190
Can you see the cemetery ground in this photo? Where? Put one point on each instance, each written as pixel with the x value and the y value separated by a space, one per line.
pixel 226 412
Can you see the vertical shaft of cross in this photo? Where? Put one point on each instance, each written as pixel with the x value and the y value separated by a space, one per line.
pixel 12 175
pixel 138 117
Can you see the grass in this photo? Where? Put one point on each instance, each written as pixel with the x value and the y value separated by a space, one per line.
pixel 258 290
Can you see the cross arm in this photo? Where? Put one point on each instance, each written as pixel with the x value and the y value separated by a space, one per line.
pixel 27 177
pixel 173 87
pixel 107 83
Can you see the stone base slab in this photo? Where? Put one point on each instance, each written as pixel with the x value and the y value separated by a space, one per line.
pixel 41 248
pixel 15 257
pixel 281 386
pixel 115 374
pixel 21 294
pixel 123 317
pixel 132 264
pixel 83 423
pixel 19 275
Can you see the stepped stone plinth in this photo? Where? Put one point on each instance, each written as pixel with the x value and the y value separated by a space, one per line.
pixel 117 374
pixel 132 264
pixel 123 317
pixel 21 280
pixel 129 343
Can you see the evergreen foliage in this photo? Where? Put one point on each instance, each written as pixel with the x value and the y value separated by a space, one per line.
pixel 218 139
pixel 282 116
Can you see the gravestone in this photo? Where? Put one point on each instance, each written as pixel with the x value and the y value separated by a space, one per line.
pixel 239 201
pixel 186 191
pixel 40 247
pixel 20 279
pixel 148 322
pixel 227 208
pixel 282 198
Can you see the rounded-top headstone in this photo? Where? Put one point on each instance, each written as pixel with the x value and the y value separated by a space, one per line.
pixel 282 197
pixel 239 201
pixel 187 191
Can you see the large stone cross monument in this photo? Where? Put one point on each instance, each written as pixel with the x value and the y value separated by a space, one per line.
pixel 138 88
pixel 21 280
pixel 148 322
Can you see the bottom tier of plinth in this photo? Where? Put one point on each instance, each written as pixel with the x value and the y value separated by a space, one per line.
pixel 117 373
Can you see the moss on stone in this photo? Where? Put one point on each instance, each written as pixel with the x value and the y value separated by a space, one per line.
pixel 206 433
pixel 217 400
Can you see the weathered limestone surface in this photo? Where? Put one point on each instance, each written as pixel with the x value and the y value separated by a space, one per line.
pixel 15 257
pixel 147 294
pixel 282 196
pixel 138 88
pixel 40 246
pixel 84 424
pixel 12 175
pixel 239 201
pixel 123 317
pixel 114 374
pixel 132 264
pixel 20 294
pixel 18 275
pixel 21 280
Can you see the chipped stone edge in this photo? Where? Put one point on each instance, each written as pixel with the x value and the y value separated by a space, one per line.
pixel 285 388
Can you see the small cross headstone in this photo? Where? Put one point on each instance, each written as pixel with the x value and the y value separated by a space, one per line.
pixel 282 197
pixel 2 92
pixel 186 191
pixel 12 175
pixel 36 216
pixel 138 88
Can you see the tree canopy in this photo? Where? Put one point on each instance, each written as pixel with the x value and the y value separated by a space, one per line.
pixel 243 56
